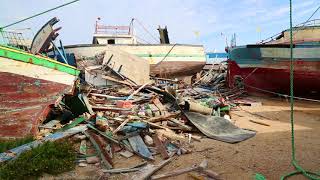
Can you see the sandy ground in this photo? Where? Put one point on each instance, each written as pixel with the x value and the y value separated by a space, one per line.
pixel 268 153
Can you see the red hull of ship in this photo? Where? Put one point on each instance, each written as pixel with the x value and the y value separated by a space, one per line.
pixel 24 103
pixel 260 80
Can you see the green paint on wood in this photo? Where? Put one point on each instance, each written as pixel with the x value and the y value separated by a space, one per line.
pixel 20 55
pixel 73 124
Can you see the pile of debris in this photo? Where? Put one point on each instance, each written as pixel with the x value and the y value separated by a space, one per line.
pixel 162 117
pixel 213 76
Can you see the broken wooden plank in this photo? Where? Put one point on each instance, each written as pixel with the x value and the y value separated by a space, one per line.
pixel 138 90
pixel 155 110
pixel 103 147
pixel 203 165
pixel 126 146
pixel 151 169
pixel 96 146
pixel 140 147
pixel 126 154
pixel 121 126
pixel 154 125
pixel 211 174
pixel 160 147
pixel 128 83
pixel 125 170
pixel 168 133
pixel 183 126
pixel 50 124
pixel 106 108
pixel 258 122
pixel 108 96
pixel 159 105
pixel 87 104
pixel 103 134
pixel 163 117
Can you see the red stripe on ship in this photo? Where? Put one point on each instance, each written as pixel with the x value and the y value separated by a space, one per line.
pixel 24 103
pixel 306 78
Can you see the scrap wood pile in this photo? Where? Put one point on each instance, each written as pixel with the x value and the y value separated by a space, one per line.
pixel 213 77
pixel 147 121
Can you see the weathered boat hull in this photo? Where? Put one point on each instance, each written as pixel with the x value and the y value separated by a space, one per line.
pixel 263 69
pixel 28 85
pixel 166 60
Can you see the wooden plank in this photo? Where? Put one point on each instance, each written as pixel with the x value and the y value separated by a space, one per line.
pixel 88 105
pixel 151 170
pixel 138 90
pixel 154 110
pixel 50 124
pixel 202 166
pixel 108 96
pixel 105 108
pixel 160 106
pixel 140 147
pixel 125 170
pixel 96 146
pixel 258 122
pixel 183 126
pixel 121 126
pixel 160 147
pixel 103 147
pixel 163 117
pixel 117 81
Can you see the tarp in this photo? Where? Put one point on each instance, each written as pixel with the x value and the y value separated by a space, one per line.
pixel 219 128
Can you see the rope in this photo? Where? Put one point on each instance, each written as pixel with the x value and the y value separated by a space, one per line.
pixel 38 14
pixel 283 95
pixel 299 169
pixel 165 56
pixel 144 28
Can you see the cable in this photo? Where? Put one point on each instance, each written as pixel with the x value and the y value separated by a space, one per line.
pixel 157 40
pixel 138 37
pixel 38 14
pixel 302 25
pixel 299 169
pixel 165 55
pixel 282 95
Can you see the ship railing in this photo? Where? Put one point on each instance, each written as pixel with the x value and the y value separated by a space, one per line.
pixel 113 30
pixel 14 39
pixel 313 22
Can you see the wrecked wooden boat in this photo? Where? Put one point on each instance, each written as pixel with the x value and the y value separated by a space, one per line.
pixel 265 67
pixel 30 83
pixel 165 59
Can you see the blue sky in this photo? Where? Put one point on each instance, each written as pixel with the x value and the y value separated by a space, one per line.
pixel 188 21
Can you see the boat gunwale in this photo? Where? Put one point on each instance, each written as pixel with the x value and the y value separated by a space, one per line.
pixel 26 57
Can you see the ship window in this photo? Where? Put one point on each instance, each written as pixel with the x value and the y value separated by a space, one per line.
pixel 111 41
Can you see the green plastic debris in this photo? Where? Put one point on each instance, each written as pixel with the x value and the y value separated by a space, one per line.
pixel 225 108
pixel 73 124
pixel 259 176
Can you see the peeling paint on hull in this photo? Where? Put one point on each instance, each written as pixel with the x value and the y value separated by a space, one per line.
pixel 27 89
pixel 24 103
